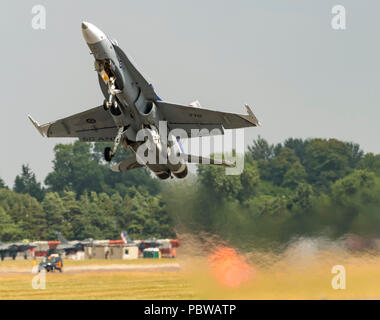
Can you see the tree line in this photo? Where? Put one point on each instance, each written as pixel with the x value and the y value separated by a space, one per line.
pixel 298 188
pixel 82 198
pixel 301 187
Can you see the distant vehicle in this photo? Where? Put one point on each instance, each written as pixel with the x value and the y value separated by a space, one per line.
pixel 11 249
pixel 149 244
pixel 51 263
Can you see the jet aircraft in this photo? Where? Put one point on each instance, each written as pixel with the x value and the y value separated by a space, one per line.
pixel 70 246
pixel 131 105
pixel 11 249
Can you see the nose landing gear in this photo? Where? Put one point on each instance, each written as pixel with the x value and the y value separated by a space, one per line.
pixel 111 102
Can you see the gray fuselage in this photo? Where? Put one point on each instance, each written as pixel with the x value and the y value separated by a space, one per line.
pixel 136 108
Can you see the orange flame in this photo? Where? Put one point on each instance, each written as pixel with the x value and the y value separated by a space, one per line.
pixel 229 267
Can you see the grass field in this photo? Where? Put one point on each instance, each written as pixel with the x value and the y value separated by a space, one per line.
pixel 119 285
pixel 291 277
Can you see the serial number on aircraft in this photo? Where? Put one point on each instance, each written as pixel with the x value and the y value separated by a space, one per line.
pixel 195 115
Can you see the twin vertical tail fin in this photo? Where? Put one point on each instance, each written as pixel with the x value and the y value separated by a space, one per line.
pixel 60 237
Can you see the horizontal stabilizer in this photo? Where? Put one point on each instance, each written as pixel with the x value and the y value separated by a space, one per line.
pixel 127 164
pixel 202 160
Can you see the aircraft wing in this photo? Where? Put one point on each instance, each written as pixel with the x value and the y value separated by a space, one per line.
pixel 91 125
pixel 187 118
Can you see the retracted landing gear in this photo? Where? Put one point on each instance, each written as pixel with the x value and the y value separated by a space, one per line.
pixel 108 152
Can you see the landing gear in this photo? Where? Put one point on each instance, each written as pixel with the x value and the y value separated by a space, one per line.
pixel 113 106
pixel 115 109
pixel 111 102
pixel 105 105
pixel 108 153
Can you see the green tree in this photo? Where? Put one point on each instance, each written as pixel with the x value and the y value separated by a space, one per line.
pixel 27 183
pixel 9 231
pixel 249 179
pixel 326 161
pixel 97 224
pixel 303 199
pixel 73 215
pixel 265 205
pixel 294 176
pixel 354 204
pixel 355 154
pixel 284 170
pixel 26 212
pixel 261 149
pixel 370 162
pixel 354 190
pixel 2 184
pixel 80 167
pixel 54 209
pixel 75 169
pixel 299 147
pixel 214 179
pixel 118 209
pixel 145 215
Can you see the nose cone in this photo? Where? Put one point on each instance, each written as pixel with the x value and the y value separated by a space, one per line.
pixel 84 25
pixel 91 33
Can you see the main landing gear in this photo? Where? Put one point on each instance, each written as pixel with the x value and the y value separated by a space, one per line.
pixel 108 152
pixel 114 108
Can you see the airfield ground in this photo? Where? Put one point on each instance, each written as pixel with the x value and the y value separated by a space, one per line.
pixel 195 278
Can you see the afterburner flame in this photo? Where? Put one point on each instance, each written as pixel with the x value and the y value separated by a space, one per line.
pixel 229 267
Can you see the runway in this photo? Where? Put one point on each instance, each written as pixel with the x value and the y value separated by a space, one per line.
pixel 101 268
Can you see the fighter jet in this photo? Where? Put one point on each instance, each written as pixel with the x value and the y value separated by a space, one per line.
pixel 70 246
pixel 7 249
pixel 11 249
pixel 132 105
